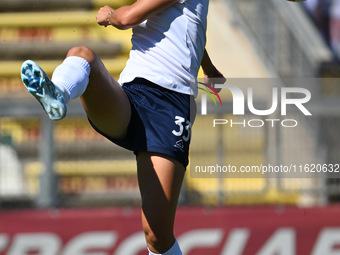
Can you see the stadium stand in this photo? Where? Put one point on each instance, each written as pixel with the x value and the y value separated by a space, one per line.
pixel 44 31
pixel 289 45
pixel 92 171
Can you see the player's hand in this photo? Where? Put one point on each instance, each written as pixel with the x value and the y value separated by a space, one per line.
pixel 102 15
pixel 213 79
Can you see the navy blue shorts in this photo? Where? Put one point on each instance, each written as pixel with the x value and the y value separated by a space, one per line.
pixel 161 120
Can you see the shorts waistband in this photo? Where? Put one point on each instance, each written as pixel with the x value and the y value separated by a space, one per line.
pixel 142 81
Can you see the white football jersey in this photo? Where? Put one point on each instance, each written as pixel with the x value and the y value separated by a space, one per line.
pixel 167 48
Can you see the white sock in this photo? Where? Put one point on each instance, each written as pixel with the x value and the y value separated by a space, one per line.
pixel 174 250
pixel 72 76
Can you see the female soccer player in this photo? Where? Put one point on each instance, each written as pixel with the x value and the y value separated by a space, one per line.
pixel 148 109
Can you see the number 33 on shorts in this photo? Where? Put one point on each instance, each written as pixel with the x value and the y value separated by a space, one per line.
pixel 184 128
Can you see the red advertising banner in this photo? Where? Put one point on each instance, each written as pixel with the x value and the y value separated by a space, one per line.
pixel 200 231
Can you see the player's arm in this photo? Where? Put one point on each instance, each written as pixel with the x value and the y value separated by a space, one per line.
pixel 129 16
pixel 208 67
pixel 211 74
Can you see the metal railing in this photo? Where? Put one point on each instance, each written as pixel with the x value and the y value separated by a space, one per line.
pixel 291 46
pixel 283 35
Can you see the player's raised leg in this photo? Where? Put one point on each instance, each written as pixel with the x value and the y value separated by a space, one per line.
pixel 160 178
pixel 104 100
pixel 81 74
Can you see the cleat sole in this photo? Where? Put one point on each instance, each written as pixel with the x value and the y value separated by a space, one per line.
pixel 50 96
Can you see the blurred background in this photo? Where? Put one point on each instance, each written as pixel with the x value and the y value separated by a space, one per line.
pixel 66 164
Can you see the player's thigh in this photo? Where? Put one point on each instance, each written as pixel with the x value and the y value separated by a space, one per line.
pixel 160 178
pixel 104 100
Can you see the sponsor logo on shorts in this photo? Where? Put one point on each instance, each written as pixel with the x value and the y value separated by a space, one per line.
pixel 180 145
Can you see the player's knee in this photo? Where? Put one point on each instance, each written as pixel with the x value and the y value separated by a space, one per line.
pixel 82 51
pixel 150 237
